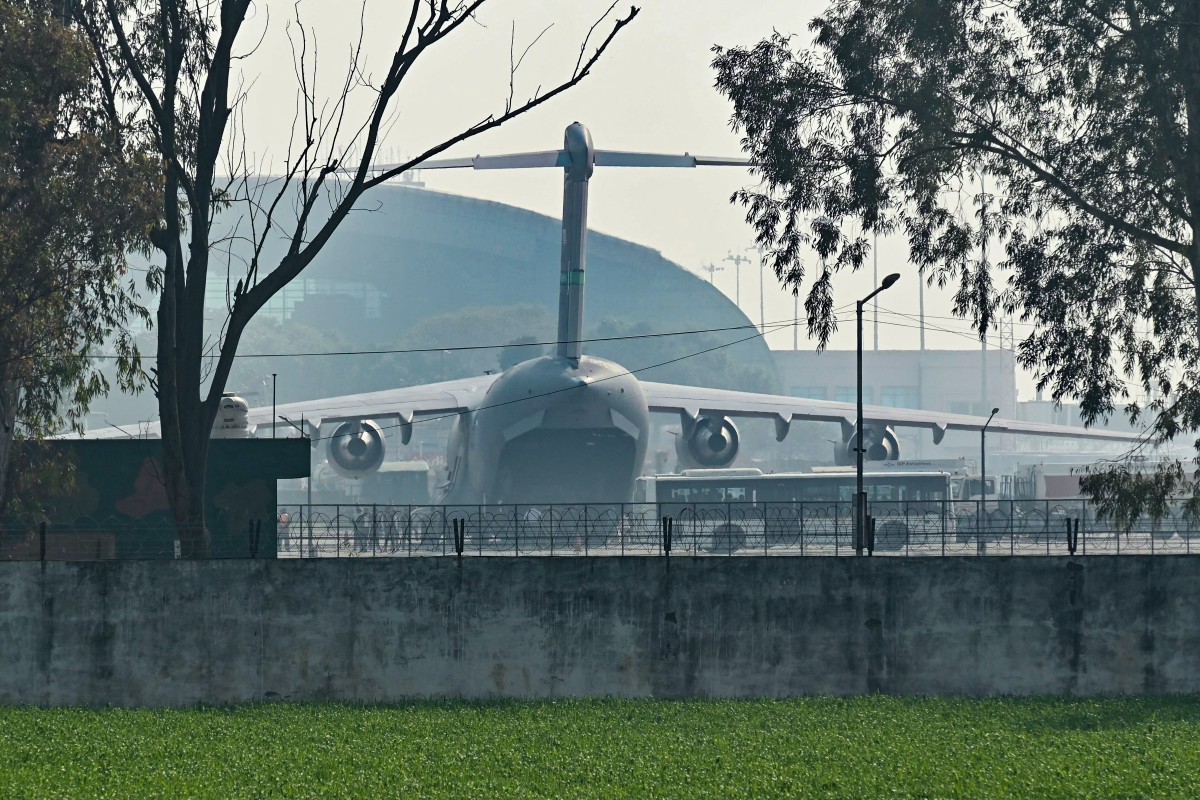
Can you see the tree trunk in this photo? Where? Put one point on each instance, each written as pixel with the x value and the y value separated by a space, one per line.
pixel 194 538
pixel 10 392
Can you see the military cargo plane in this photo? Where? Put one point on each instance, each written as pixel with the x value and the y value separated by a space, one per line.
pixel 572 428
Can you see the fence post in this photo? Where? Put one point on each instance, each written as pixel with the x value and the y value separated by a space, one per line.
pixel 374 529
pixel 42 541
pixel 907 530
pixel 728 529
pixel 837 544
pixel 516 531
pixel 666 536
pixel 622 527
pixel 801 505
pixel 585 529
pixel 1012 536
pixel 945 511
pixel 1046 527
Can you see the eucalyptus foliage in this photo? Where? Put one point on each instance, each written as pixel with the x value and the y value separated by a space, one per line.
pixel 72 203
pixel 1083 116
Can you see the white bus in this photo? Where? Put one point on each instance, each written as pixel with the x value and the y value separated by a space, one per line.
pixel 732 509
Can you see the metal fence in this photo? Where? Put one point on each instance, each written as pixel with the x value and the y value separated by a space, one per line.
pixel 943 528
pixel 949 528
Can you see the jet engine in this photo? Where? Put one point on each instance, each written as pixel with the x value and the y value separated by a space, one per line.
pixel 356 448
pixel 881 445
pixel 711 442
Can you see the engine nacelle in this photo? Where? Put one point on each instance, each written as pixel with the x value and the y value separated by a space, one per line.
pixel 711 442
pixel 882 445
pixel 356 448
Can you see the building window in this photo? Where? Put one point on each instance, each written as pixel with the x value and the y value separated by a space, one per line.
pixel 365 296
pixel 900 397
pixel 849 394
pixel 809 392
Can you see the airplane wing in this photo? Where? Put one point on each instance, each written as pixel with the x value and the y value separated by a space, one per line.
pixel 694 401
pixel 398 405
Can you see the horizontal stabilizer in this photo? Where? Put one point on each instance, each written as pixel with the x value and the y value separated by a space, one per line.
pixel 561 158
pixel 623 158
pixel 545 158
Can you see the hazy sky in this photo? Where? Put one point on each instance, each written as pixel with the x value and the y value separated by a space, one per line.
pixel 652 91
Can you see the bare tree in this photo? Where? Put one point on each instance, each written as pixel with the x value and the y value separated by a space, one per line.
pixel 169 67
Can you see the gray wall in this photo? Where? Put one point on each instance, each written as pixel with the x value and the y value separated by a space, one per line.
pixel 172 633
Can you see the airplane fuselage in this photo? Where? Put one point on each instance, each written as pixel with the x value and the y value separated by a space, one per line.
pixel 551 430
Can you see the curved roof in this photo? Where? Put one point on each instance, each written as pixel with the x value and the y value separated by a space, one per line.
pixel 429 253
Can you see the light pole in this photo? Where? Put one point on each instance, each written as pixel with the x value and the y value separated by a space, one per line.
pixel 983 475
pixel 273 417
pixel 762 301
pixel 737 260
pixel 860 497
pixel 711 269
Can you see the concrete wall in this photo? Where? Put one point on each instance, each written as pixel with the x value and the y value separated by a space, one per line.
pixel 172 633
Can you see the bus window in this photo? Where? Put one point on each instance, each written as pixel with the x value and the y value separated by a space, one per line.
pixel 881 492
pixel 708 494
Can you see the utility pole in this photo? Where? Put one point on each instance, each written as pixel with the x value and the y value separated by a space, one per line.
pixel 737 260
pixel 762 303
pixel 983 359
pixel 711 269
pixel 875 281
pixel 795 319
pixel 921 306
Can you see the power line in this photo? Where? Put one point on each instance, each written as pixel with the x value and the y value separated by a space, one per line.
pixel 451 415
pixel 957 319
pixel 470 347
pixel 961 334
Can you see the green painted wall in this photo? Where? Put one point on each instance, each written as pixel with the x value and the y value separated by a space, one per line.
pixel 118 508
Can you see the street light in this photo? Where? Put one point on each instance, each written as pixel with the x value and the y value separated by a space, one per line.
pixel 860 497
pixel 983 475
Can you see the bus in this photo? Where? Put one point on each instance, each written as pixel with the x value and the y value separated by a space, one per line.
pixel 732 509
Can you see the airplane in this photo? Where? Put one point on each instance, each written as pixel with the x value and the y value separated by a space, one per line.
pixel 574 428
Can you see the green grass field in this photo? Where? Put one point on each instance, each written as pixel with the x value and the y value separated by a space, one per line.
pixel 816 747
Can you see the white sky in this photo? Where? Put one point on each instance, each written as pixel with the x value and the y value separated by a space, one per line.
pixel 652 91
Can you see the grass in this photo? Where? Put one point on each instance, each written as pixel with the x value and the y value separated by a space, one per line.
pixel 812 747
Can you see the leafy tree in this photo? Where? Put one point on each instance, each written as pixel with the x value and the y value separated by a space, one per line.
pixel 523 323
pixel 520 349
pixel 1083 119
pixel 62 253
pixel 171 72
